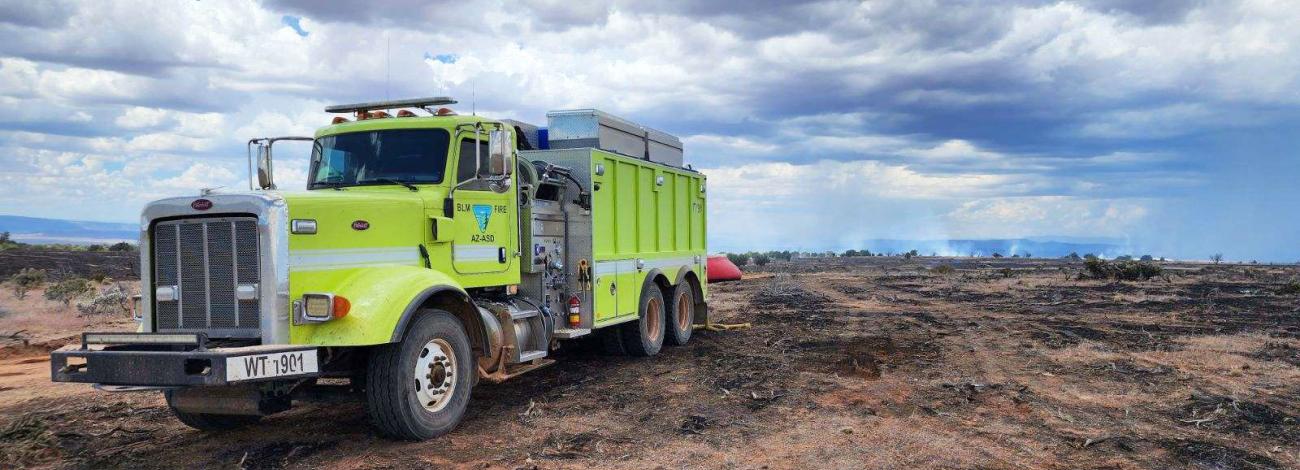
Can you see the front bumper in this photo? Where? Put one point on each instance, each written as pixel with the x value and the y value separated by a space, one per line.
pixel 140 363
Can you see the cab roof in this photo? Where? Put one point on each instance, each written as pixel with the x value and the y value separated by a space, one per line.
pixel 414 122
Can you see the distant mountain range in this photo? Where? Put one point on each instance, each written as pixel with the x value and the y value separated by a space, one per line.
pixel 1044 247
pixel 76 232
pixel 41 230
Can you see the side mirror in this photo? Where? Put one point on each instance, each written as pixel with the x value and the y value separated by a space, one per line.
pixel 499 153
pixel 264 179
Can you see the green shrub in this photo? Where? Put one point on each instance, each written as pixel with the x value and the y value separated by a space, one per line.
pixel 68 290
pixel 738 259
pixel 122 246
pixel 761 259
pixel 25 280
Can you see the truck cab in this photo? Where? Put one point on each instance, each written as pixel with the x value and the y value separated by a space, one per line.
pixel 428 253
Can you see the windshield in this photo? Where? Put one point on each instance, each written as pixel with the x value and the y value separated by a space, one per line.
pixel 379 157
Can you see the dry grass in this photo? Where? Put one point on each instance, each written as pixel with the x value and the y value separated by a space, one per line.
pixel 42 320
pixel 970 370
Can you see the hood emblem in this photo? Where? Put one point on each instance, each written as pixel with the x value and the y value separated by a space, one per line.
pixel 360 225
pixel 201 204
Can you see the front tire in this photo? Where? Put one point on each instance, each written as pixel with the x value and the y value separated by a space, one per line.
pixel 645 337
pixel 419 388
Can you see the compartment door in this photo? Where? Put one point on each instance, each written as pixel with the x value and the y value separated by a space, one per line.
pixel 606 289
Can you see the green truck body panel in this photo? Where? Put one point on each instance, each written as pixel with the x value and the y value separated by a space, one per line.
pixel 642 211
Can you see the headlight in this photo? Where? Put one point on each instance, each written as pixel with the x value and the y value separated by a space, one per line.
pixel 323 307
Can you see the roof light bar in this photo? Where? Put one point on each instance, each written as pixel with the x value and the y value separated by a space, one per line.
pixel 395 104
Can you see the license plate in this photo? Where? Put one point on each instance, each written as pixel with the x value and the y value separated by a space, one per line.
pixel 263 366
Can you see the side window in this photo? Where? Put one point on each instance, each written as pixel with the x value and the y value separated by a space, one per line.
pixel 465 167
pixel 333 166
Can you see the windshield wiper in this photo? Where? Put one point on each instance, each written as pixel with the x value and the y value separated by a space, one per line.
pixel 335 185
pixel 393 181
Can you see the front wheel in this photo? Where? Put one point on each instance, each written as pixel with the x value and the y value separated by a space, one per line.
pixel 419 388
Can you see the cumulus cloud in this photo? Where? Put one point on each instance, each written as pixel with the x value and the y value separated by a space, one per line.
pixel 923 118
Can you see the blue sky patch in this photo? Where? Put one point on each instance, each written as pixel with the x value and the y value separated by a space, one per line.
pixel 444 58
pixel 295 23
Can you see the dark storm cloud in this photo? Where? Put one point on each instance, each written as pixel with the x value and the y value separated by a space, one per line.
pixel 436 16
pixel 89 44
pixel 41 14
pixel 362 11
pixel 1150 11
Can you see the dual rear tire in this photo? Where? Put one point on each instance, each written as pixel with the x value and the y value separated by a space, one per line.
pixel 661 319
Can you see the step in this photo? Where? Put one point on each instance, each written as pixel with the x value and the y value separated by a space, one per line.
pixel 570 333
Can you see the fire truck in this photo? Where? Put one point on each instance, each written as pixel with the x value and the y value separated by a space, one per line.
pixel 431 252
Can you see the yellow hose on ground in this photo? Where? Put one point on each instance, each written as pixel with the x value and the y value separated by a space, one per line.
pixel 722 326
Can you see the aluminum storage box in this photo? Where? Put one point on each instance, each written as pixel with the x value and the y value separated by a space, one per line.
pixel 582 128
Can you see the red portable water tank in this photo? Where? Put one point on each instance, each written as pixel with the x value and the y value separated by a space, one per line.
pixel 722 269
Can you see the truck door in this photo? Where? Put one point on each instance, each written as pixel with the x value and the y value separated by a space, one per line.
pixel 485 219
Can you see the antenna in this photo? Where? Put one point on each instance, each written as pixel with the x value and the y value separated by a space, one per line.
pixel 388 62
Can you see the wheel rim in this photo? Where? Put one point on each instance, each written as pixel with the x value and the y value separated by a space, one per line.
pixel 653 314
pixel 683 312
pixel 435 380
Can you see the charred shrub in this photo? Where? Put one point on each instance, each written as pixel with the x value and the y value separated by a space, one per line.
pixel 943 269
pixel 1128 270
pixel 1290 288
pixel 786 292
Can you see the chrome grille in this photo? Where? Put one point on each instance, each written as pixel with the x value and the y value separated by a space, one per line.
pixel 205 260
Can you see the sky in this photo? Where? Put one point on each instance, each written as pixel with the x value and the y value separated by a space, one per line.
pixel 1168 126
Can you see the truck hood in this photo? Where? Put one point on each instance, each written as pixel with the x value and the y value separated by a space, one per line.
pixel 361 217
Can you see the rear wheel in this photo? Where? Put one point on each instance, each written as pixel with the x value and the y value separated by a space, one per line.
pixel 645 336
pixel 681 314
pixel 419 388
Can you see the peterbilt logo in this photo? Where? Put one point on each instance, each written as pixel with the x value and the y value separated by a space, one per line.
pixel 201 204
pixel 360 225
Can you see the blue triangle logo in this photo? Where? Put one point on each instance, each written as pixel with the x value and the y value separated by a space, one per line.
pixel 482 213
